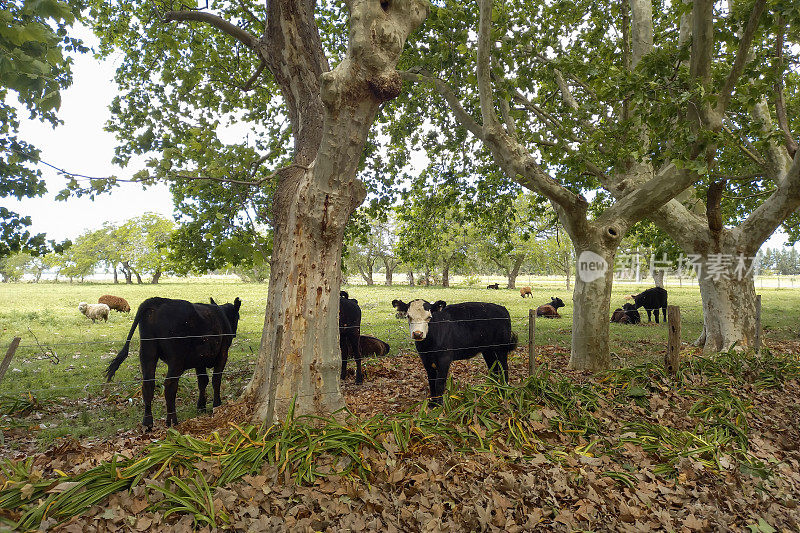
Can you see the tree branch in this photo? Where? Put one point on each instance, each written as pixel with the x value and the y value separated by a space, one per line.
pixel 769 215
pixel 741 59
pixel 780 103
pixel 249 83
pixel 240 34
pixel 462 116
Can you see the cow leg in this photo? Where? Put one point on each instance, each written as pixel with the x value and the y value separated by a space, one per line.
pixel 430 368
pixel 440 382
pixel 170 393
pixel 202 383
pixel 355 349
pixel 216 380
pixel 148 360
pixel 343 347
pixel 650 318
pixel 664 310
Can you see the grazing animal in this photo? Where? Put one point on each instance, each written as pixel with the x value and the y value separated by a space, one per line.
pixel 94 311
pixel 115 302
pixel 652 300
pixel 445 333
pixel 184 335
pixel 525 291
pixel 372 346
pixel 626 315
pixel 349 334
pixel 550 310
pixel 495 286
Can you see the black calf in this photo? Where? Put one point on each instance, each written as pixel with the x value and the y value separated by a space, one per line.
pixel 349 334
pixel 184 335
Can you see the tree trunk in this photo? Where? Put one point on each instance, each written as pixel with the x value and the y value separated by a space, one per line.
pixel 567 268
pixel 316 196
pixel 138 276
pixel 156 276
pixel 366 273
pixel 427 276
pixel 658 278
pixel 446 275
pixel 410 278
pixel 389 269
pixel 591 303
pixel 513 272
pixel 128 272
pixel 116 279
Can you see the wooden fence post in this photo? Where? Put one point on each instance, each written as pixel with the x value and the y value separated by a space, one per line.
pixel 9 354
pixel 273 374
pixel 531 342
pixel 673 355
pixel 758 325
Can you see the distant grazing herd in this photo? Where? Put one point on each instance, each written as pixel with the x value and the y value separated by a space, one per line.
pixel 198 336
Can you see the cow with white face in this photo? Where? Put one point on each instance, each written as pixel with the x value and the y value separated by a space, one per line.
pixel 445 333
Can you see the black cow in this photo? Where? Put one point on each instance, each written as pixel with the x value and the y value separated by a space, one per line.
pixel 652 300
pixel 372 346
pixel 184 335
pixel 550 310
pixel 445 333
pixel 350 333
pixel 626 315
pixel 495 286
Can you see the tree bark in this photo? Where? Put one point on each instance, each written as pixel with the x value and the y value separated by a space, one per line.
pixel 729 313
pixel 116 278
pixel 513 271
pixel 591 300
pixel 317 195
pixel 410 278
pixel 446 275
pixel 658 278
pixel 156 276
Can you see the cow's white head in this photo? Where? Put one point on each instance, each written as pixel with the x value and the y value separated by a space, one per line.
pixel 419 314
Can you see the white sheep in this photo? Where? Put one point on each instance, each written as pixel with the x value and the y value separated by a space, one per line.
pixel 94 311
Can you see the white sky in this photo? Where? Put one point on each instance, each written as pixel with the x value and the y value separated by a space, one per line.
pixel 82 146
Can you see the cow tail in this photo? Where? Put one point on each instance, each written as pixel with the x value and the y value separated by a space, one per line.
pixel 512 345
pixel 123 354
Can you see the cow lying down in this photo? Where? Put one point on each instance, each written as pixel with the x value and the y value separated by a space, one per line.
pixel 445 333
pixel 184 335
pixel 626 315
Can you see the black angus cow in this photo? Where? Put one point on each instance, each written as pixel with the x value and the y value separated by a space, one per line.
pixel 184 335
pixel 495 286
pixel 350 333
pixel 626 315
pixel 445 333
pixel 550 310
pixel 372 346
pixel 652 300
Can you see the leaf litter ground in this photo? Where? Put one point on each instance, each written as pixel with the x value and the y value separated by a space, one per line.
pixel 714 449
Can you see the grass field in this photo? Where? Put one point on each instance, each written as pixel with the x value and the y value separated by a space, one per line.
pixel 70 397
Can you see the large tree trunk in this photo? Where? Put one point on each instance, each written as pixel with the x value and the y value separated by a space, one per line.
pixel 316 196
pixel 116 278
pixel 446 276
pixel 729 313
pixel 591 301
pixel 156 276
pixel 410 276
pixel 658 278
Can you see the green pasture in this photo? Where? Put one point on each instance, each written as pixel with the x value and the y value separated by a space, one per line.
pixel 74 399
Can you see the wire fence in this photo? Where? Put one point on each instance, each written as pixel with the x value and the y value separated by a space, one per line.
pixel 398 333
